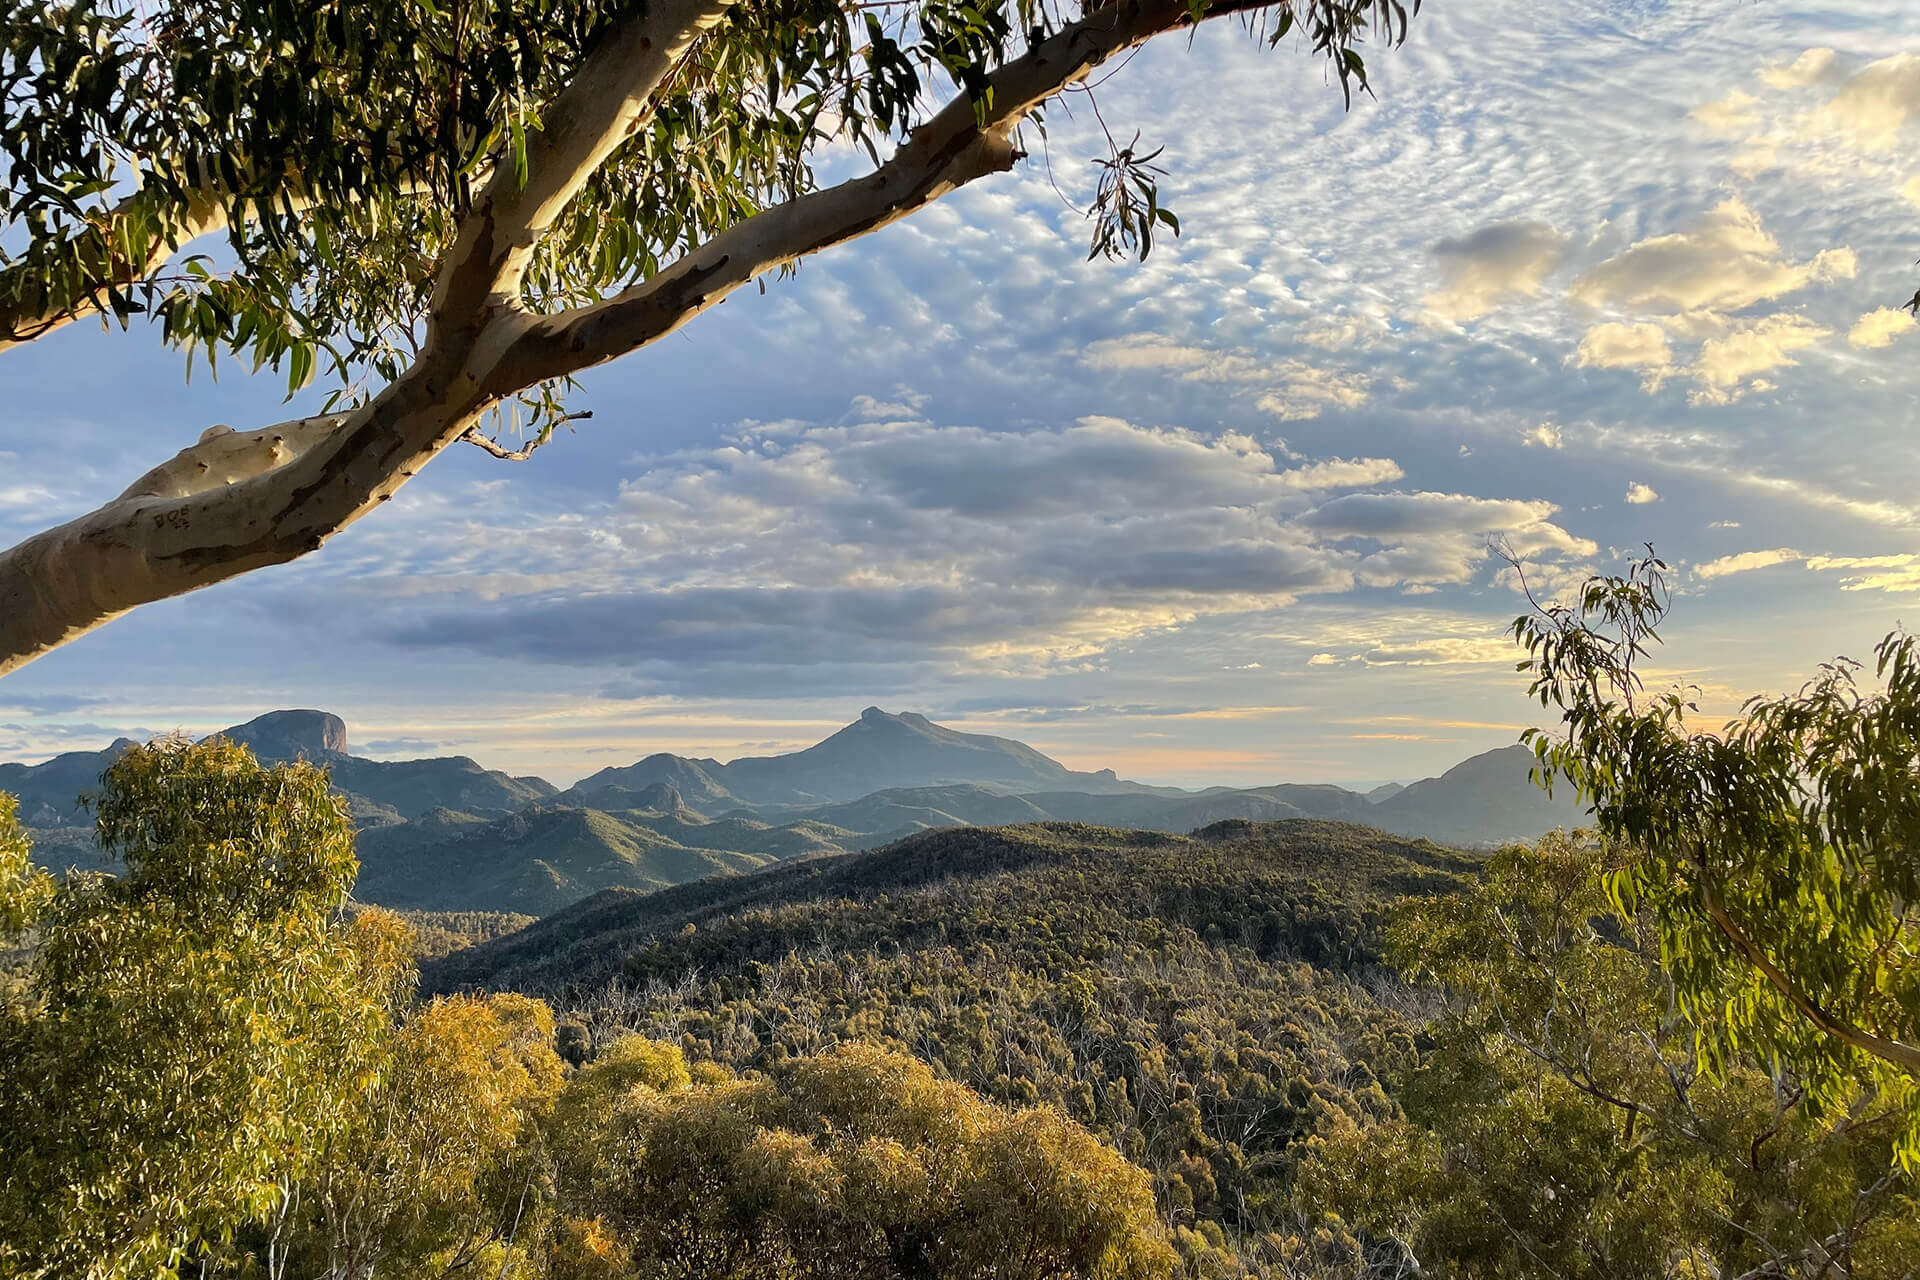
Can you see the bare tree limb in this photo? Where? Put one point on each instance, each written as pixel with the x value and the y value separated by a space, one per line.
pixel 482 440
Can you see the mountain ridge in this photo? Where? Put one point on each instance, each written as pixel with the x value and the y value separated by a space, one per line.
pixel 446 833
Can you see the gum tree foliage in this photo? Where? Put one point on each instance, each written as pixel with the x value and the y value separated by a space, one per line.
pixel 193 1031
pixel 851 1163
pixel 1558 1123
pixel 447 208
pixel 1776 856
pixel 214 1068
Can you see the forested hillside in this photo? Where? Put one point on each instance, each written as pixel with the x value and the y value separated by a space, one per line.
pixel 1202 1002
pixel 1232 1011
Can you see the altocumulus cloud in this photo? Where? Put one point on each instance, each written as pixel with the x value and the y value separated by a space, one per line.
pixel 907 543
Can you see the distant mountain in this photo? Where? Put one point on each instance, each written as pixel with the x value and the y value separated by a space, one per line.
pixel 379 792
pixel 877 752
pixel 49 793
pixel 399 790
pixel 1486 799
pixel 696 780
pixel 450 834
pixel 291 735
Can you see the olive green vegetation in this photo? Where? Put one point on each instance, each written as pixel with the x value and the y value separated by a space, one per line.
pixel 436 934
pixel 1298 1049
pixel 1559 1124
pixel 213 1067
pixel 1777 856
pixel 1201 1002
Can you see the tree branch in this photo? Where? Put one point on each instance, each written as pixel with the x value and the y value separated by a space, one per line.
pixel 181 528
pixel 478 438
pixel 224 456
pixel 609 98
pixel 967 139
pixel 178 529
pixel 1901 1055
pixel 31 308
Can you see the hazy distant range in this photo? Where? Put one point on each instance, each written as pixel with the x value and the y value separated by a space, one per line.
pixel 449 834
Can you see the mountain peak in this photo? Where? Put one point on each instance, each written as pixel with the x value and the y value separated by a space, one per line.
pixel 291 735
pixel 874 715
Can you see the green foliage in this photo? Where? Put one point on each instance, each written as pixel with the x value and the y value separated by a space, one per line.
pixel 851 1163
pixel 437 934
pixel 194 1031
pixel 345 142
pixel 212 1069
pixel 1559 1123
pixel 1776 856
pixel 443 1166
pixel 25 889
pixel 1198 1002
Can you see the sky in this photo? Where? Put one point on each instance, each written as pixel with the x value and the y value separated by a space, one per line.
pixel 1579 277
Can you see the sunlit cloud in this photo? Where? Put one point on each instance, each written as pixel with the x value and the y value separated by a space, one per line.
pixel 1726 261
pixel 1872 573
pixel 1747 562
pixel 1878 329
pixel 1495 263
pixel 1729 367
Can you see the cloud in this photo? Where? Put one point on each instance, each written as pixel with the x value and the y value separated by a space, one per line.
pixel 46 704
pixel 1876 103
pixel 1747 562
pixel 1434 538
pixel 906 545
pixel 1726 364
pixel 1306 392
pixel 1640 494
pixel 1727 261
pixel 400 746
pixel 1291 389
pixel 1810 67
pixel 1544 436
pixel 1911 189
pixel 1735 113
pixel 1628 346
pixel 1443 651
pixel 1872 573
pixel 1343 473
pixel 1507 259
pixel 1878 329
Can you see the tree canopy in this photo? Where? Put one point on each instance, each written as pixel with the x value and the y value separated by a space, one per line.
pixel 214 1068
pixel 1776 854
pixel 1560 1124
pixel 449 210
pixel 195 1031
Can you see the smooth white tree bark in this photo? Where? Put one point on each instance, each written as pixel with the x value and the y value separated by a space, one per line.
pixel 239 501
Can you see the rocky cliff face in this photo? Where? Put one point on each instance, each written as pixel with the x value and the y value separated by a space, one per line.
pixel 292 735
